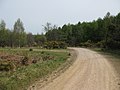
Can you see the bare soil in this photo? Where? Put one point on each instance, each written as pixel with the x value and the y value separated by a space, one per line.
pixel 90 71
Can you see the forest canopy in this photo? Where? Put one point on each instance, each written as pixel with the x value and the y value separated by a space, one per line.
pixel 104 33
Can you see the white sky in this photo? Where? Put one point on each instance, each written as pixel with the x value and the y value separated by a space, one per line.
pixel 35 13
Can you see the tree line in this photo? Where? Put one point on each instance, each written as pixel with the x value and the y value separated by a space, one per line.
pixel 17 37
pixel 104 33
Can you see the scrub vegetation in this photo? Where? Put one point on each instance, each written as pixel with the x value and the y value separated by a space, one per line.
pixel 19 68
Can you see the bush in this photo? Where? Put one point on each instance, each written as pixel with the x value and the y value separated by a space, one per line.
pixel 87 44
pixel 62 45
pixel 2 86
pixel 30 49
pixel 112 44
pixel 55 45
pixel 25 61
pixel 100 44
pixel 42 52
pixel 47 57
pixel 7 66
pixel 34 61
pixel 69 54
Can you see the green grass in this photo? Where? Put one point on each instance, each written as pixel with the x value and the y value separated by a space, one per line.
pixel 26 75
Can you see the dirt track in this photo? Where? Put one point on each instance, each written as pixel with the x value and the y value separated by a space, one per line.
pixel 91 71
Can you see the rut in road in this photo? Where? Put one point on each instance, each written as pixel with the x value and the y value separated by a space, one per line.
pixel 90 71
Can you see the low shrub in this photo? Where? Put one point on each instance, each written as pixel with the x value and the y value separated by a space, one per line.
pixel 25 60
pixel 42 52
pixel 34 61
pixel 112 44
pixel 2 86
pixel 30 49
pixel 47 57
pixel 7 66
pixel 55 45
pixel 99 44
pixel 87 44
pixel 69 54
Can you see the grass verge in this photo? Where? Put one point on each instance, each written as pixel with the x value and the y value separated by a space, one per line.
pixel 26 75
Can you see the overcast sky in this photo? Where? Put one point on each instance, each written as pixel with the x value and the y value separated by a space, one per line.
pixel 35 13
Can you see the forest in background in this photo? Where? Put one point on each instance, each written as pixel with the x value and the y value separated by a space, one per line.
pixel 102 33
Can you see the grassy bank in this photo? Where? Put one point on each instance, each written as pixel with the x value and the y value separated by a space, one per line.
pixel 23 76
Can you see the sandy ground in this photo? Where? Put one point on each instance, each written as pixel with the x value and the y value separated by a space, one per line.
pixel 90 71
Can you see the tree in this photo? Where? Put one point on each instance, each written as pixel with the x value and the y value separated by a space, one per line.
pixel 106 24
pixel 47 27
pixel 19 34
pixel 2 25
pixel 40 39
pixel 30 39
pixel 101 32
pixel 3 34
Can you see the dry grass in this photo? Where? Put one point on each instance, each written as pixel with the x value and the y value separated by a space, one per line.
pixel 24 75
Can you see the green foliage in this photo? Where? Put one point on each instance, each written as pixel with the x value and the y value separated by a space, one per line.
pixel 106 29
pixel 103 33
pixel 40 40
pixel 87 44
pixel 112 44
pixel 6 66
pixel 55 45
pixel 19 36
pixel 25 75
pixel 30 40
pixel 62 45
pixel 13 38
pixel 30 49
pixel 2 25
pixel 100 44
pixel 25 61
pixel 42 52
